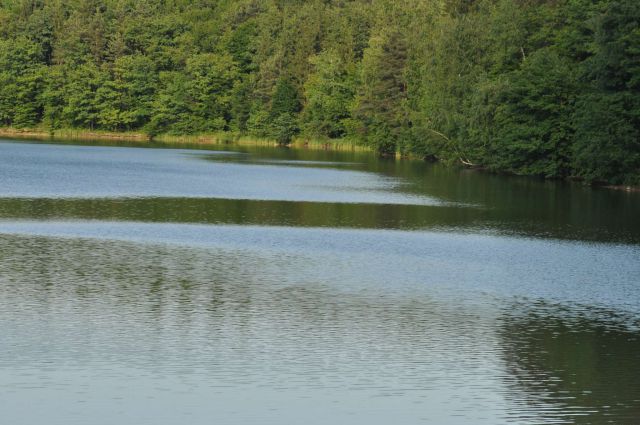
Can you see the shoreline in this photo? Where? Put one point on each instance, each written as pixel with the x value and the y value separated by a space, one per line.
pixel 229 139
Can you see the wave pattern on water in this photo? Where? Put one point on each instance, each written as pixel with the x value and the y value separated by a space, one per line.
pixel 235 318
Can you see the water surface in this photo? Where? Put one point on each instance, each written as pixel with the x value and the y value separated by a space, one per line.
pixel 269 286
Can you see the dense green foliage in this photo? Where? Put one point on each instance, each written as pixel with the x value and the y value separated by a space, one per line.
pixel 539 87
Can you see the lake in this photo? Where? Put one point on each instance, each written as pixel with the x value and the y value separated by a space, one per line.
pixel 275 286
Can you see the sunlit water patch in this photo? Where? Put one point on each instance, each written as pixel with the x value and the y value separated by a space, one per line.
pixel 47 171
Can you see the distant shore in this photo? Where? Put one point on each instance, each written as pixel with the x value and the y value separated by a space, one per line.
pixel 196 139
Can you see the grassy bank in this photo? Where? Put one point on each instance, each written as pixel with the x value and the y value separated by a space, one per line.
pixel 71 134
pixel 169 139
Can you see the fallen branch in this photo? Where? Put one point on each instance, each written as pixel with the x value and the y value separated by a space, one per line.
pixel 467 163
pixel 463 161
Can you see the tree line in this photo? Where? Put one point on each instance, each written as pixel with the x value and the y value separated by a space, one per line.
pixel 535 87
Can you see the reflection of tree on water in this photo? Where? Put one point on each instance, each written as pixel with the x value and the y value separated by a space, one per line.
pixel 511 220
pixel 236 314
pixel 577 366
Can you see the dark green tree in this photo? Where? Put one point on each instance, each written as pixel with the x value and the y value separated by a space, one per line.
pixel 607 144
pixel 380 103
pixel 284 107
pixel 532 133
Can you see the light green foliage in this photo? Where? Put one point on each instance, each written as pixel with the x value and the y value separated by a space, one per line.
pixel 171 107
pixel 54 97
pixel 21 82
pixel 329 92
pixel 536 87
pixel 135 80
pixel 210 84
pixel 197 99
pixel 83 93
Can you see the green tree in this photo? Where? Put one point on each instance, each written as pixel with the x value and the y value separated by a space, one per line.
pixel 210 86
pixel 532 133
pixel 608 117
pixel 82 106
pixel 54 97
pixel 380 102
pixel 21 81
pixel 329 93
pixel 284 107
pixel 170 105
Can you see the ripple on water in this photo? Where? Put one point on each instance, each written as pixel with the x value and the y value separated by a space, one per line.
pixel 293 322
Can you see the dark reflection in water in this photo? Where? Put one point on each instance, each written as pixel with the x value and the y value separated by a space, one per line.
pixel 570 366
pixel 517 204
pixel 310 214
pixel 233 211
pixel 153 286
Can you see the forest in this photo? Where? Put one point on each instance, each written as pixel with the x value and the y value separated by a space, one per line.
pixel 547 88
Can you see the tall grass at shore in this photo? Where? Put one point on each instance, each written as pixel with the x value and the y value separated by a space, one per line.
pixel 222 138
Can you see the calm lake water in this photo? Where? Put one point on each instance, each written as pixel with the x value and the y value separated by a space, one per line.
pixel 273 286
